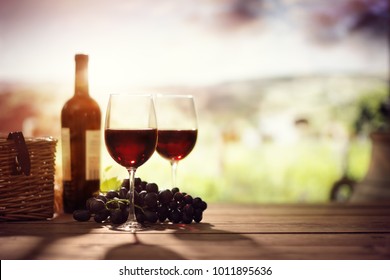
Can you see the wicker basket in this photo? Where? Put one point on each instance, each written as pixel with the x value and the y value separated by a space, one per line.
pixel 31 196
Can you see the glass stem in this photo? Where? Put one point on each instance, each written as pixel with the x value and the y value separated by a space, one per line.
pixel 174 172
pixel 131 217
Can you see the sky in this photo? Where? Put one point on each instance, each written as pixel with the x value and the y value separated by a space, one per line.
pixel 194 43
pixel 187 42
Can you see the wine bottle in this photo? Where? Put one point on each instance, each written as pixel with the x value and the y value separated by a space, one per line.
pixel 81 138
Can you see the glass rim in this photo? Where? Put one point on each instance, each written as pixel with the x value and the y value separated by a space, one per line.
pixel 172 95
pixel 132 94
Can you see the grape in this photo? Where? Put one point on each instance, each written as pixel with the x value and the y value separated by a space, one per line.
pixel 151 216
pixel 142 194
pixel 175 216
pixel 141 198
pixel 143 185
pixel 81 215
pixel 112 194
pixel 188 199
pixel 187 219
pixel 88 202
pixel 197 202
pixel 123 205
pixel 198 215
pixel 138 188
pixel 172 205
pixel 151 188
pixel 96 205
pixel 101 216
pixel 117 217
pixel 188 210
pixel 102 197
pixel 140 217
pixel 137 181
pixel 112 204
pixel 123 192
pixel 175 190
pixel 162 213
pixel 181 204
pixel 165 196
pixel 136 197
pixel 151 200
pixel 203 205
pixel 178 196
pixel 152 205
pixel 125 214
pixel 126 184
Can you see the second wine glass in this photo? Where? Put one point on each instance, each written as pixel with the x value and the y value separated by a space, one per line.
pixel 177 128
pixel 131 137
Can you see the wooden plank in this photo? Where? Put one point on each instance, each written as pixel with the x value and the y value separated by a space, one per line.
pixel 315 224
pixel 213 223
pixel 300 209
pixel 208 246
pixel 227 232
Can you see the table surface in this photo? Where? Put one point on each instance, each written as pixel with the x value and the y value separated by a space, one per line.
pixel 272 232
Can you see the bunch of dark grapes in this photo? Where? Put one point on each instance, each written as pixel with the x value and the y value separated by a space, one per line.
pixel 151 205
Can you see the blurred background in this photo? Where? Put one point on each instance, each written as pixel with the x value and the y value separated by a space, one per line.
pixel 281 86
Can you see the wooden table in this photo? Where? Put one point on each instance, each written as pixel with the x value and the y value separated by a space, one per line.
pixel 272 232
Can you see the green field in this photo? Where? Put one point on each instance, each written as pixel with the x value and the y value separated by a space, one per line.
pixel 273 173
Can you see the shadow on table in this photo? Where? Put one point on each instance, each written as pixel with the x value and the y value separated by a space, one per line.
pixel 198 238
pixel 40 235
pixel 211 243
pixel 140 251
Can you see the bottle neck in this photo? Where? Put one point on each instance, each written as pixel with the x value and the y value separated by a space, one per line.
pixel 81 80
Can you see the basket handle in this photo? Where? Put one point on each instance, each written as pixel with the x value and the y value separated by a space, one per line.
pixel 22 159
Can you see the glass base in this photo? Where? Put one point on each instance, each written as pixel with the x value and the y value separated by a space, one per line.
pixel 128 226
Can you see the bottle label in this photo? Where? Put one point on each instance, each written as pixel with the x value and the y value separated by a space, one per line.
pixel 65 145
pixel 92 155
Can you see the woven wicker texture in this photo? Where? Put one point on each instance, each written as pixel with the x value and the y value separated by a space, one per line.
pixel 27 197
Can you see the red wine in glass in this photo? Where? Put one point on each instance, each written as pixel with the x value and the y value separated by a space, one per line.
pixel 176 144
pixel 131 147
pixel 177 128
pixel 130 134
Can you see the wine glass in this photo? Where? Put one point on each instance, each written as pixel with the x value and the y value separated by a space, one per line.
pixel 130 135
pixel 177 128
